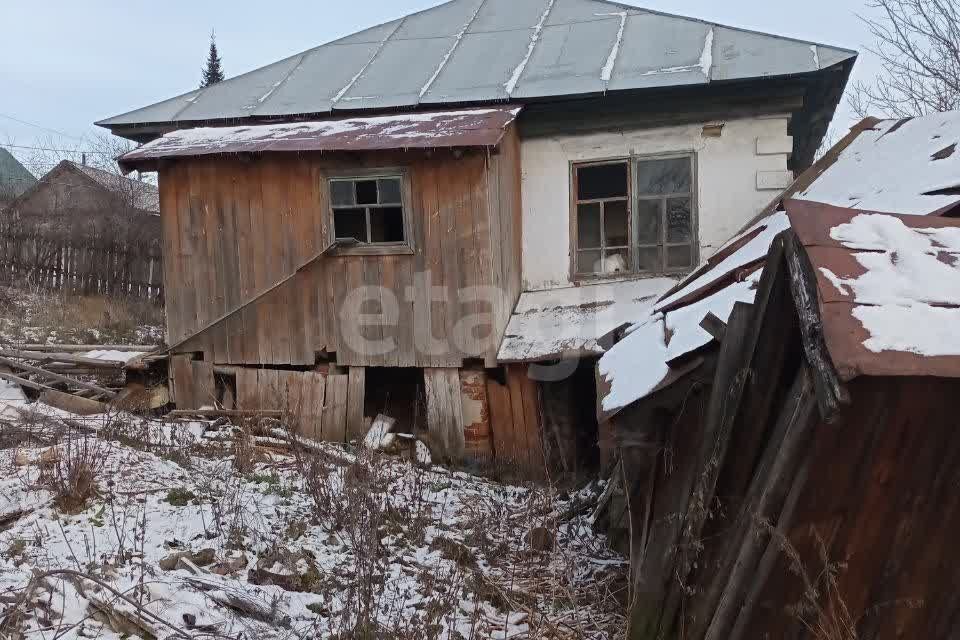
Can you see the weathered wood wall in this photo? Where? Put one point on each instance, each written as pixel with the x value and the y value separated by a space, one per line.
pixel 233 227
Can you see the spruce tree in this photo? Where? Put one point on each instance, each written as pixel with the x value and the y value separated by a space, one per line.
pixel 212 73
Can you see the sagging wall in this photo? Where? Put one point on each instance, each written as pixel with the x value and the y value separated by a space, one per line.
pixel 234 227
pixel 737 174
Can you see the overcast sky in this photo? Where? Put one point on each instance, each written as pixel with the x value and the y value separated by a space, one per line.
pixel 68 64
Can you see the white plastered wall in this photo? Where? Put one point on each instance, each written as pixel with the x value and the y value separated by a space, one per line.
pixel 738 172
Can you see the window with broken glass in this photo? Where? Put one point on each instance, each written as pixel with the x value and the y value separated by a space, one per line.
pixel 368 210
pixel 634 216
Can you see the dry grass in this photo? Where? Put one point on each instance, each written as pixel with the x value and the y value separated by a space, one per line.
pixel 71 473
pixel 38 316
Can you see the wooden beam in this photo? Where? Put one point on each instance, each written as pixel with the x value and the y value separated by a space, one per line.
pixel 61 357
pixel 444 410
pixel 356 389
pixel 714 326
pixel 75 348
pixel 56 376
pixel 23 382
pixel 225 413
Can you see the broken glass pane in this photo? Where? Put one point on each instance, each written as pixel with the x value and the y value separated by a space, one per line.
pixel 389 190
pixel 350 223
pixel 678 220
pixel 648 221
pixel 588 261
pixel 602 181
pixel 615 223
pixel 366 191
pixel 648 259
pixel 386 224
pixel 678 257
pixel 663 176
pixel 588 225
pixel 341 192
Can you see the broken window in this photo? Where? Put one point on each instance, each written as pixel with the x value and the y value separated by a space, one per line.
pixel 368 209
pixel 634 216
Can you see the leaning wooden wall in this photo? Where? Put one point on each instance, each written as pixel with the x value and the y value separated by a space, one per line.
pixel 233 227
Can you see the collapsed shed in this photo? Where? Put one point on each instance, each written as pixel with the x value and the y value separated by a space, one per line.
pixel 792 462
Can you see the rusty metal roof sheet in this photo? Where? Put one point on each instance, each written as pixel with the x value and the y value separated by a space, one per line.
pixel 889 289
pixel 455 128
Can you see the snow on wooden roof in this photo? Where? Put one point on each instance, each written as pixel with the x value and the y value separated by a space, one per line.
pixel 432 129
pixel 484 51
pixel 889 289
pixel 560 322
pixel 900 166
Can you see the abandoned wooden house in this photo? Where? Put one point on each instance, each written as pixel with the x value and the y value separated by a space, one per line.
pixel 86 230
pixel 786 451
pixel 460 205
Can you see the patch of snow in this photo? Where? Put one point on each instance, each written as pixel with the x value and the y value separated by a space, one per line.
pixel 607 70
pixel 890 170
pixel 706 56
pixel 909 291
pixel 421 454
pixel 446 57
pixel 402 125
pixel 111 355
pixel 549 322
pixel 511 84
pixel 638 363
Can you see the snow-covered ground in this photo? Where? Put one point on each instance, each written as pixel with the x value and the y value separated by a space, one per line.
pixel 206 535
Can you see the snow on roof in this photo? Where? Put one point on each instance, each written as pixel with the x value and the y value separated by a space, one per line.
pixel 898 166
pixel 458 128
pixel 472 51
pixel 641 362
pixel 547 324
pixel 889 288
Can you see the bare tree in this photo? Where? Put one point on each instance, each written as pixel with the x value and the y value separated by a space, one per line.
pixel 918 44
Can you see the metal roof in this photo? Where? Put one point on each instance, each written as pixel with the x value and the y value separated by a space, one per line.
pixel 474 51
pixel 14 177
pixel 422 130
pixel 888 288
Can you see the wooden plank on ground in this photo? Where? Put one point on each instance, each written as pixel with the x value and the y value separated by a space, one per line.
pixel 335 409
pixel 355 399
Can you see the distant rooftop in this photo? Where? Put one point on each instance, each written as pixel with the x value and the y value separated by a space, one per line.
pixel 483 51
pixel 142 195
pixel 14 177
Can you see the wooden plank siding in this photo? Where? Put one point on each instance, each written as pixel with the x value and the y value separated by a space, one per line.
pixel 234 227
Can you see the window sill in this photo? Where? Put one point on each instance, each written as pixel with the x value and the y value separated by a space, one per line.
pixel 587 278
pixel 372 250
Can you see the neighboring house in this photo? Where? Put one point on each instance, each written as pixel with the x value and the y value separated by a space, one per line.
pixel 454 195
pixel 14 178
pixel 785 414
pixel 86 228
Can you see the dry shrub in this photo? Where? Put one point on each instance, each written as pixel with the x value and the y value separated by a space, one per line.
pixel 72 474
pixel 822 609
pixel 114 316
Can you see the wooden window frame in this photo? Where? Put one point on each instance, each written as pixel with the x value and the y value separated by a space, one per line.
pixel 406 246
pixel 633 198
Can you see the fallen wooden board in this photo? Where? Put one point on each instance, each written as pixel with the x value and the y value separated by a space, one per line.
pixel 76 348
pixel 23 382
pixel 226 413
pixel 62 357
pixel 71 403
pixel 56 376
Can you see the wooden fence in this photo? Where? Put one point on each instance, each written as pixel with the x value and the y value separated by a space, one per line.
pixel 103 258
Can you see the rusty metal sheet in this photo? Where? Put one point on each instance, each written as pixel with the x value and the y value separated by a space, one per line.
pixel 839 264
pixel 427 130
